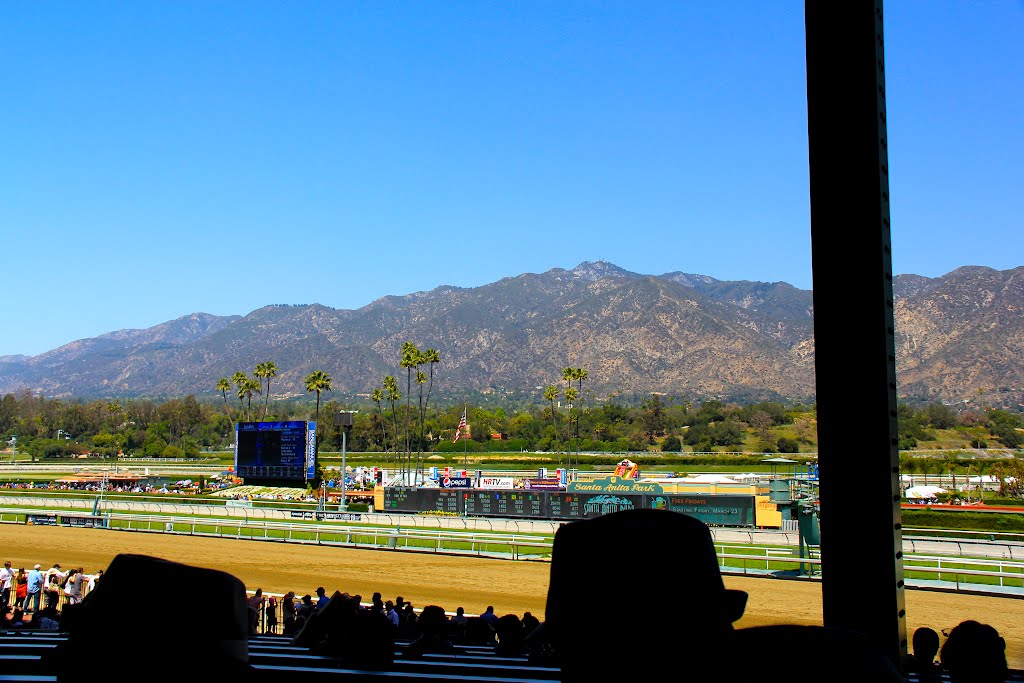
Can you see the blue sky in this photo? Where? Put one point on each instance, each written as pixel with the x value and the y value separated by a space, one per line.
pixel 163 158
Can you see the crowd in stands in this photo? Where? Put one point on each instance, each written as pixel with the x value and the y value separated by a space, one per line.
pixel 95 487
pixel 586 637
pixel 430 629
pixel 34 599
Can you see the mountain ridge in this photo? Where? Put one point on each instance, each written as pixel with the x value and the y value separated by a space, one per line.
pixel 635 333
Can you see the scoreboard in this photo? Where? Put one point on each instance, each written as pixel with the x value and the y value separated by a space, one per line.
pixel 275 453
pixel 732 510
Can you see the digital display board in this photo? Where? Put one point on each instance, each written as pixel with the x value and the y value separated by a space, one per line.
pixel 275 452
pixel 720 509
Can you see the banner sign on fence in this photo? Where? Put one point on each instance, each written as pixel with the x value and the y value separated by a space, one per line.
pixel 546 484
pixel 83 521
pixel 46 520
pixel 326 516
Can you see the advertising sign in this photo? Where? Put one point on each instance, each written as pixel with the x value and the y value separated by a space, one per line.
pixel 456 482
pixel 543 484
pixel 615 484
pixel 497 483
pixel 311 452
pixel 47 520
pixel 84 521
pixel 326 516
pixel 724 510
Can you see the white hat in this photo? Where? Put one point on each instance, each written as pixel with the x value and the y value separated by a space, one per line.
pixel 36 567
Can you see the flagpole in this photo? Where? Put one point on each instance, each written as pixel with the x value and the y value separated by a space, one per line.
pixel 465 445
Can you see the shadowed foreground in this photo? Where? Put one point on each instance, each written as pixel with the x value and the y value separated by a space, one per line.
pixel 473 583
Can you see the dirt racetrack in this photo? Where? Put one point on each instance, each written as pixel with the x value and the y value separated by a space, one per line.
pixel 450 581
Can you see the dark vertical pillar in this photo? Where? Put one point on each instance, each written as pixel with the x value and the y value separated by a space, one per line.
pixel 862 569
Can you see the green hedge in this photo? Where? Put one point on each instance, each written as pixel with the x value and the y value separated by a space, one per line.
pixel 970 521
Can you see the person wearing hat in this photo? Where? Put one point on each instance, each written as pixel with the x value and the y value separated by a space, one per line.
pixel 55 571
pixel 216 645
pixel 595 628
pixel 35 589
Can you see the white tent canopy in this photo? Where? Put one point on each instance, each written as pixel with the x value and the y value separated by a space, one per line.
pixel 710 479
pixel 924 492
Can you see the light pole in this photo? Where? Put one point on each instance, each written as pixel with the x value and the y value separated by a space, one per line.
pixel 344 420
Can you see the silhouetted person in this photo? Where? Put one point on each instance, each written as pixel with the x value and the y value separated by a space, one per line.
pixel 360 638
pixel 974 653
pixel 922 661
pixel 596 633
pixel 433 638
pixel 378 603
pixel 489 617
pixel 510 636
pixel 288 613
pixel 457 625
pixel 530 622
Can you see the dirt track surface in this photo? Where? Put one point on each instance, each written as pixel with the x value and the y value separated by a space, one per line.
pixel 470 582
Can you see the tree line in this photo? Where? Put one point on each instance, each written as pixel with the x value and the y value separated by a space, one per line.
pixel 402 420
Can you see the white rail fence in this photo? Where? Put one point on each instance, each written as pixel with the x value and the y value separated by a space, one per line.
pixel 964 574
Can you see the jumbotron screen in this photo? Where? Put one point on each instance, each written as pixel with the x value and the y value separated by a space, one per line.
pixel 275 452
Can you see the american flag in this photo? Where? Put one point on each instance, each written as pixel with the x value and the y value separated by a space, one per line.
pixel 462 425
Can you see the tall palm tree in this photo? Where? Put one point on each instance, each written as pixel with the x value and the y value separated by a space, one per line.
pixel 266 371
pixel 568 374
pixel 377 395
pixel 318 381
pixel 393 396
pixel 570 400
pixel 430 357
pixel 247 389
pixel 410 359
pixel 581 375
pixel 550 394
pixel 421 379
pixel 224 386
pixel 239 379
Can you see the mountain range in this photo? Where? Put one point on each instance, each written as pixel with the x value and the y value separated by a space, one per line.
pixel 959 337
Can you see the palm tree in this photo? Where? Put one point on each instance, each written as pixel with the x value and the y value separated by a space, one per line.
pixel 421 379
pixel 568 374
pixel 267 371
pixel 410 360
pixel 239 379
pixel 393 396
pixel 580 375
pixel 246 389
pixel 550 394
pixel 430 357
pixel 377 395
pixel 570 399
pixel 223 386
pixel 318 381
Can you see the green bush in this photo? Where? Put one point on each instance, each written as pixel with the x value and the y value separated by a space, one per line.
pixel 671 444
pixel 787 445
pixel 955 519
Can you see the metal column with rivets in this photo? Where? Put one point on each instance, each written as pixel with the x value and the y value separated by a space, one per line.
pixel 854 332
